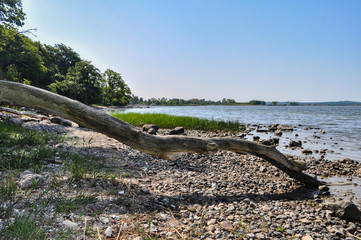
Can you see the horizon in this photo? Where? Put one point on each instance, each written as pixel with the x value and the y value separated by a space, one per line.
pixel 306 51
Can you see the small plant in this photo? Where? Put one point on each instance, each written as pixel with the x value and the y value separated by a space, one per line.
pixel 24 227
pixel 8 188
pixel 67 205
pixel 24 148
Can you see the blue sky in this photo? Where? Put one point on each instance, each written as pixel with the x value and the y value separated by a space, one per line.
pixel 269 50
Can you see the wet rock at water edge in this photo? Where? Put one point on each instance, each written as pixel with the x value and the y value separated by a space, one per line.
pixel 273 127
pixel 267 142
pixel 343 209
pixel 278 133
pixel 307 151
pixel 285 128
pixel 293 143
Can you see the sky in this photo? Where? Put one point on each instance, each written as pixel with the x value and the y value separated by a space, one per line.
pixel 271 50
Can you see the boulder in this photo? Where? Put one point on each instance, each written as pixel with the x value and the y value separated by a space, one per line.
pixel 56 120
pixel 256 138
pixel 285 128
pixel 343 209
pixel 273 127
pixel 278 133
pixel 307 151
pixel 293 143
pixel 66 123
pixel 152 131
pixel 176 131
pixel 61 121
pixel 267 142
pixel 146 127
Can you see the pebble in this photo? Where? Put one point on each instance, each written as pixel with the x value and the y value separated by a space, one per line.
pixel 307 237
pixel 227 225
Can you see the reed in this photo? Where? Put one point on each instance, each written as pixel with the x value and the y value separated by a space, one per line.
pixel 170 121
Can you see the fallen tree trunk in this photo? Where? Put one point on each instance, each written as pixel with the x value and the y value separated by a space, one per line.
pixel 161 146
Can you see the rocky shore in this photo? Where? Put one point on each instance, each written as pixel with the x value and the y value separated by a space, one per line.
pixel 213 196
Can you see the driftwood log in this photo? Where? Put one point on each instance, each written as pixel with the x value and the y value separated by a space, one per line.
pixel 168 147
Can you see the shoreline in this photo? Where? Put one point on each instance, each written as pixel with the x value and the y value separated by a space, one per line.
pixel 209 196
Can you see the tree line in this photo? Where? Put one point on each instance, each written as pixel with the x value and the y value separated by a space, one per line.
pixel 57 68
pixel 194 101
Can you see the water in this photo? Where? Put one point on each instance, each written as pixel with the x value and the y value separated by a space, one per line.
pixel 342 124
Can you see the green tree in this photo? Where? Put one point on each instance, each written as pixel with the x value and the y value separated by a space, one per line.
pixel 114 89
pixel 11 13
pixel 82 82
pixel 257 102
pixel 20 58
pixel 57 59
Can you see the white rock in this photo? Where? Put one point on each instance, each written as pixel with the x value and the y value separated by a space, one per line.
pixel 109 231
pixel 70 224
pixel 163 216
pixel 104 220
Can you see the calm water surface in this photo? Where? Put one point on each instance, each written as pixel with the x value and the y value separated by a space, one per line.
pixel 342 124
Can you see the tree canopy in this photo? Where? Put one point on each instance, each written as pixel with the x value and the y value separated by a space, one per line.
pixel 58 68
pixel 11 13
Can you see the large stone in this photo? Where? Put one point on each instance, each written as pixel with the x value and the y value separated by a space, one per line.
pixel 267 142
pixel 278 133
pixel 146 127
pixel 285 128
pixel 307 151
pixel 343 209
pixel 152 131
pixel 293 143
pixel 176 131
pixel 29 179
pixel 62 121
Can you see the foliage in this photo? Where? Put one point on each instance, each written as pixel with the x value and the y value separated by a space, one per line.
pixel 11 13
pixel 82 83
pixel 115 91
pixel 22 148
pixel 257 102
pixel 181 102
pixel 169 121
pixel 57 68
pixel 24 227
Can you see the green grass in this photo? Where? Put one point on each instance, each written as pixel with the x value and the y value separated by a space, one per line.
pixel 67 205
pixel 24 148
pixel 170 121
pixel 24 227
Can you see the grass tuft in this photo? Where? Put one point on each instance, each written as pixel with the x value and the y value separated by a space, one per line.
pixel 170 121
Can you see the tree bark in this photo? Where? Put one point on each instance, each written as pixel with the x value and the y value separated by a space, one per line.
pixel 167 147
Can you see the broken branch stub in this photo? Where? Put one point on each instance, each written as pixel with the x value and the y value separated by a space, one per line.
pixel 13 93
